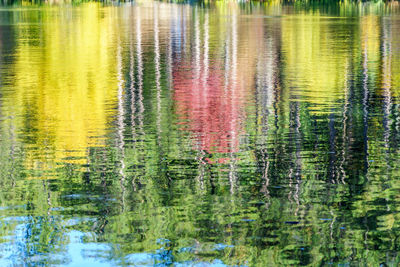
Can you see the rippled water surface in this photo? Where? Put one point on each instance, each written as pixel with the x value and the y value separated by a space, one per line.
pixel 200 135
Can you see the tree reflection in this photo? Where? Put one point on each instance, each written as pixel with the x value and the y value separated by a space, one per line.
pixel 164 133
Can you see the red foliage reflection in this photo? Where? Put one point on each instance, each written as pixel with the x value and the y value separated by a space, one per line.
pixel 209 106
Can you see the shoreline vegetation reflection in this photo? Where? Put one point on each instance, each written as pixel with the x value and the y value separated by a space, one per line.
pixel 221 133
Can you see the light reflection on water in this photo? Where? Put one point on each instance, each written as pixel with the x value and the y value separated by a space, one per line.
pixel 228 134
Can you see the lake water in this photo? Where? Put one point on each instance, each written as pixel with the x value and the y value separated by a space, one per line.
pixel 222 134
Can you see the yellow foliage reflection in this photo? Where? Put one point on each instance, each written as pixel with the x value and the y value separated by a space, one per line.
pixel 64 81
pixel 315 52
